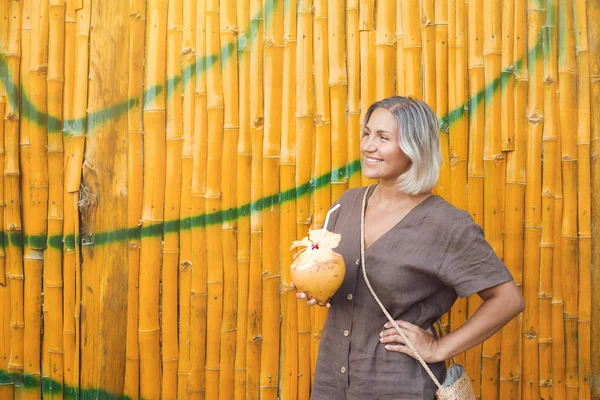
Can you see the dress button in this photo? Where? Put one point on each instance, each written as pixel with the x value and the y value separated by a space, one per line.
pixel 349 297
pixel 346 332
pixel 357 261
pixel 343 369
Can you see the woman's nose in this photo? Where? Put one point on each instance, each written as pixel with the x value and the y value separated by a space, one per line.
pixel 368 145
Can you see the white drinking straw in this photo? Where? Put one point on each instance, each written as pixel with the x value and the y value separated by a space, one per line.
pixel 328 214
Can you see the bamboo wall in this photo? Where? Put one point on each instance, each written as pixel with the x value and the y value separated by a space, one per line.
pixel 159 157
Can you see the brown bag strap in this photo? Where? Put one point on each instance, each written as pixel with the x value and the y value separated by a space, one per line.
pixel 387 314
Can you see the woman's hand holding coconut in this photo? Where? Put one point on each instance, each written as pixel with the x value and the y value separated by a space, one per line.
pixel 310 301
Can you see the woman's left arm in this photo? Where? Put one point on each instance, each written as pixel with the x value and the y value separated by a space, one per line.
pixel 501 303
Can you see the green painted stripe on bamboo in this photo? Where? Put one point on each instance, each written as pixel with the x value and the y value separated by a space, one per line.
pixel 155 230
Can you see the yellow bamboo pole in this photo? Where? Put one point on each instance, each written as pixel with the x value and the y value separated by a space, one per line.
pixel 34 185
pixel 289 340
pixel 322 150
pixel 584 200
pixel 444 94
pixel 514 97
pixel 153 200
pixel 69 259
pixel 533 218
pixel 271 276
pixel 412 48
pixel 287 166
pixel 186 264
pixel 229 31
pixel 12 216
pixel 6 383
pixel 198 296
pixel 172 203
pixel 304 148
pixel 214 201
pixel 353 69
pixel 368 68
pixel 244 183
pixel 52 358
pixel 18 51
pixel 384 46
pixel 455 131
pixel 100 207
pixel 134 188
pixel 549 142
pixel 593 16
pixel 493 168
pixel 338 89
pixel 254 330
pixel 475 174
pixel 4 14
pixel 399 36
pixel 428 61
pixel 568 259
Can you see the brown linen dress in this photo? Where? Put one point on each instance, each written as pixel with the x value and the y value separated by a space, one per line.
pixel 417 268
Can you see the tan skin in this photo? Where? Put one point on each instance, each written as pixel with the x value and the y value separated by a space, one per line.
pixel 383 160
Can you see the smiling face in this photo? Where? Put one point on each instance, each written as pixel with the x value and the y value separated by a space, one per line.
pixel 382 158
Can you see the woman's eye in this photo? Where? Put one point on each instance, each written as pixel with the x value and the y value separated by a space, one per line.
pixel 384 138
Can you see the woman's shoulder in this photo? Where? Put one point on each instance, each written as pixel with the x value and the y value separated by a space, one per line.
pixel 441 214
pixel 352 196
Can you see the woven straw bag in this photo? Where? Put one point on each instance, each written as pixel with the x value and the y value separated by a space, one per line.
pixel 457 385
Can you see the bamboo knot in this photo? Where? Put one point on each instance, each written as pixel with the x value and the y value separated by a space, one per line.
pixel 549 79
pixel 535 118
pixel 135 15
pixel 319 120
pixel 188 51
pixel 256 339
pixel 186 265
pixel 133 245
pixel 258 123
pixel 530 334
pixel 269 43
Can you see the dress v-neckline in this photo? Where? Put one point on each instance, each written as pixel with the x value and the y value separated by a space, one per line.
pixel 399 223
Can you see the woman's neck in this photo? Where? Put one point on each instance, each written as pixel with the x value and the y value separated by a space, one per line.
pixel 387 193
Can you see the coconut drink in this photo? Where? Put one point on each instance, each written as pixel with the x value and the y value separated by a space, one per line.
pixel 318 270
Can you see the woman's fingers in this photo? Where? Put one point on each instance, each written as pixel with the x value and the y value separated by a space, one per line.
pixel 399 348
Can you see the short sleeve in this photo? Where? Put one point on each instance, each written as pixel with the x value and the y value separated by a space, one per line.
pixel 470 264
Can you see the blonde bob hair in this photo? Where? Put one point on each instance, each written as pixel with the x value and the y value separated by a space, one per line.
pixel 418 138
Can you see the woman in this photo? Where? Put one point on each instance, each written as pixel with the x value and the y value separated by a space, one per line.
pixel 420 254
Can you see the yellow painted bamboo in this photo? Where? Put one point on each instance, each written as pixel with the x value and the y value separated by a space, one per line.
pixel 567 248
pixel 428 53
pixel 198 297
pixel 4 14
pixel 52 358
pixel 186 264
pixel 368 79
pixel 172 204
pixel 273 75
pixel 304 148
pixel 445 12
pixel 593 15
pixel 214 188
pixel 454 80
pixel 514 104
pixel 228 15
pixel 384 46
pixel 69 260
pixel 322 151
pixel 584 199
pixel 493 167
pixel 12 228
pixel 549 166
pixel 568 259
pixel 244 160
pixel 338 94
pixel 412 48
pixel 6 384
pixel 134 190
pixel 100 207
pixel 399 36
pixel 254 329
pixel 353 70
pixel 533 217
pixel 475 175
pixel 153 200
pixel 34 183
pixel 289 307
